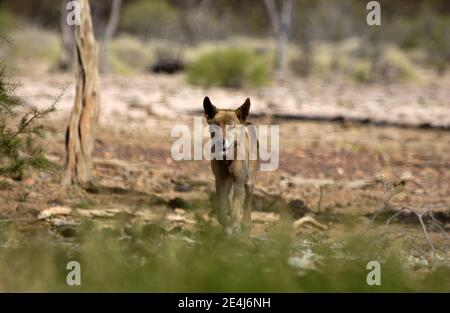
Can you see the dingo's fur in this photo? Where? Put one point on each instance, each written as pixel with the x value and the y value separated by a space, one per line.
pixel 235 179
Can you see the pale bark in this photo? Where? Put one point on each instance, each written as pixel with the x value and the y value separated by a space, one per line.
pixel 272 10
pixel 83 118
pixel 192 19
pixel 110 30
pixel 281 26
pixel 67 40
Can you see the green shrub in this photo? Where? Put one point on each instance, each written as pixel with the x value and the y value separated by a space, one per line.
pixel 362 71
pixel 128 54
pixel 146 18
pixel 6 21
pixel 19 133
pixel 326 59
pixel 437 43
pixel 229 67
pixel 36 44
pixel 391 65
pixel 395 66
pixel 428 30
pixel 355 59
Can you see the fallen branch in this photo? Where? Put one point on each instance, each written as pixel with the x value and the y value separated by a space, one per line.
pixel 422 224
pixel 380 209
pixel 311 220
pixel 436 224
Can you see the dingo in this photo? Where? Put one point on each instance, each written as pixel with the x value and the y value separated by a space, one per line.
pixel 235 176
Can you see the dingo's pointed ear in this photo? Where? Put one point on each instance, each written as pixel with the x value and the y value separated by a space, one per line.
pixel 209 108
pixel 243 110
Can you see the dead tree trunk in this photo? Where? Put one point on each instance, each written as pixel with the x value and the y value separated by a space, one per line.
pixel 110 30
pixel 192 17
pixel 83 118
pixel 281 25
pixel 283 36
pixel 67 40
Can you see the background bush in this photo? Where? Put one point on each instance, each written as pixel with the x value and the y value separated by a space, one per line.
pixel 358 60
pixel 394 66
pixel 229 67
pixel 128 55
pixel 155 18
pixel 6 21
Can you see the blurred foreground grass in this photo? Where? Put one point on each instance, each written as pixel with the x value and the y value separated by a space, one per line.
pixel 148 258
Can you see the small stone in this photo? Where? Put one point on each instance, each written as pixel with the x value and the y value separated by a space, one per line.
pixel 180 211
pixel 183 187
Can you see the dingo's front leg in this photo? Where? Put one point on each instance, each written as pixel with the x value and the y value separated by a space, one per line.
pixel 223 187
pixel 248 205
pixel 237 205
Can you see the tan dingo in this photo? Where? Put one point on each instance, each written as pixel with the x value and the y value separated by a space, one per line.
pixel 235 176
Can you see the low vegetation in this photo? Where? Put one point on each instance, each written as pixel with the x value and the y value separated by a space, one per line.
pixel 20 131
pixel 150 17
pixel 6 21
pixel 150 258
pixel 128 55
pixel 229 67
pixel 350 58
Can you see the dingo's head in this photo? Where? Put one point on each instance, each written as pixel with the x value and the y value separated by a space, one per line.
pixel 223 123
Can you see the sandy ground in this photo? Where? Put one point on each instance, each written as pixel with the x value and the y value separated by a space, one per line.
pixel 137 97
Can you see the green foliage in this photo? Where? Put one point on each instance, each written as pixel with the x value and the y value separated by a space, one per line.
pixel 36 44
pixel 437 44
pixel 128 55
pixel 6 21
pixel 229 67
pixel 428 31
pixel 149 17
pixel 394 66
pixel 362 71
pixel 148 258
pixel 19 133
pixel 359 61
